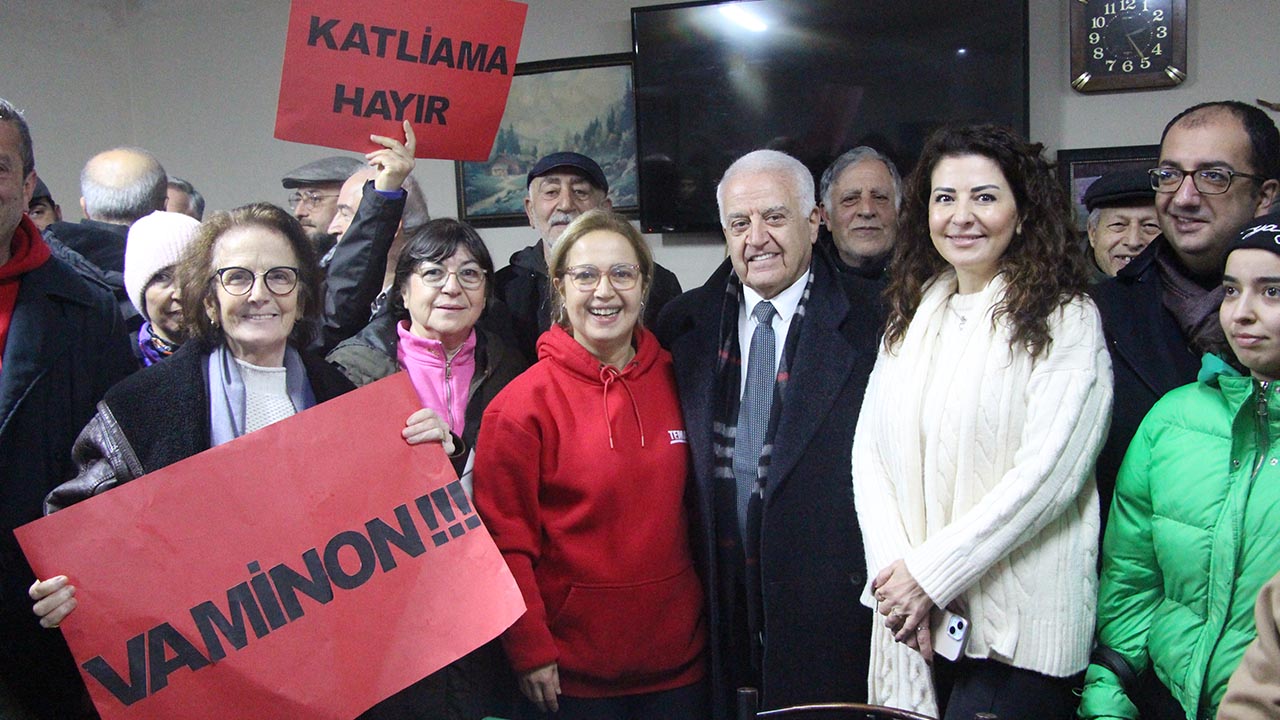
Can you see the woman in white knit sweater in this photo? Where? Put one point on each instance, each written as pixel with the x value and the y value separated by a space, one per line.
pixel 973 457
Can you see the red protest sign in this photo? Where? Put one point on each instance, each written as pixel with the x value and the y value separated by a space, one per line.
pixel 351 69
pixel 306 570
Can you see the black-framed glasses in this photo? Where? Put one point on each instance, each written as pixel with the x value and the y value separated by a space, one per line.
pixel 436 276
pixel 1208 181
pixel 622 276
pixel 309 198
pixel 239 281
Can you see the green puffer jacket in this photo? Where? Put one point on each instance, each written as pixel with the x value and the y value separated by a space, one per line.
pixel 1193 536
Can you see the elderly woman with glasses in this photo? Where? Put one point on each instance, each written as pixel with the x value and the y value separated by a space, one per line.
pixel 580 476
pixel 441 287
pixel 251 289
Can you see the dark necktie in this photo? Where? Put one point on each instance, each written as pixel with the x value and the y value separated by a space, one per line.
pixel 753 414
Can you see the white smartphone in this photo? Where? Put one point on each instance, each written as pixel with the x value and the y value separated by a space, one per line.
pixel 950 635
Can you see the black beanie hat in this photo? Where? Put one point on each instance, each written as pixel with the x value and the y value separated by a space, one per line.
pixel 1261 233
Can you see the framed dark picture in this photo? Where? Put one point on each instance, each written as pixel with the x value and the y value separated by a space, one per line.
pixel 583 104
pixel 1077 169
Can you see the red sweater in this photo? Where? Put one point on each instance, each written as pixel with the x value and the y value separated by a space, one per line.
pixel 580 477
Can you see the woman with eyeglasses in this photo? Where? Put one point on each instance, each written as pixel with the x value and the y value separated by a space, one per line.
pixel 441 287
pixel 251 289
pixel 581 467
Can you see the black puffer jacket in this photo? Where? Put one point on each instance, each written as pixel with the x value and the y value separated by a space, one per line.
pixel 371 355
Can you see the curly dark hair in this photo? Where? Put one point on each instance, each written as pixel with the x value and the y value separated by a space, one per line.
pixel 199 288
pixel 1042 266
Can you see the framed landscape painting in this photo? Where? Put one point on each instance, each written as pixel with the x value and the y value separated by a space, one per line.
pixel 583 104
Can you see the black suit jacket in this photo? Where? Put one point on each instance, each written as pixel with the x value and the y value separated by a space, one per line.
pixel 817 634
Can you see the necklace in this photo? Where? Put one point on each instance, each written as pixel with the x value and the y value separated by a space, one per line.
pixel 963 318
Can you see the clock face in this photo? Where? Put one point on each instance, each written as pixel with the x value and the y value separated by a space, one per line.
pixel 1124 44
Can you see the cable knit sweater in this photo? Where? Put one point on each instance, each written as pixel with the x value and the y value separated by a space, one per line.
pixel 974 463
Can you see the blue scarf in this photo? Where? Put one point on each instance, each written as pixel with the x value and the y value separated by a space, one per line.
pixel 226 392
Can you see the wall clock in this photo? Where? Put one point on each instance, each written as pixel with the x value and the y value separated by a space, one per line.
pixel 1128 44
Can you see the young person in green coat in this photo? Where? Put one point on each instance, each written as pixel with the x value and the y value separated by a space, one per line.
pixel 1192 535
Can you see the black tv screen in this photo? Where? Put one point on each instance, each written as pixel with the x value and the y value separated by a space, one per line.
pixel 812 78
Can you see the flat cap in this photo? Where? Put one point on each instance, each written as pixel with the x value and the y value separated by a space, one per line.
pixel 334 169
pixel 42 192
pixel 1124 187
pixel 574 160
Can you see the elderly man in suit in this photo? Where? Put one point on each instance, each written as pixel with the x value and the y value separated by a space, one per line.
pixel 772 357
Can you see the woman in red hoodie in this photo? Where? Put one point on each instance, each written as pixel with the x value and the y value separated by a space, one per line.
pixel 580 477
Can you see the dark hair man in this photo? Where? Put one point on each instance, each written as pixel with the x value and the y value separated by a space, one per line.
pixel 1218 168
pixel 62 344
pixel 42 210
pixel 184 198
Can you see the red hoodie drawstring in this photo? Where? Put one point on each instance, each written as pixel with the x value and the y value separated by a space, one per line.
pixel 608 374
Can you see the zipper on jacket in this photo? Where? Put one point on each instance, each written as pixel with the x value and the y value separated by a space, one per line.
pixel 1263 429
pixel 448 394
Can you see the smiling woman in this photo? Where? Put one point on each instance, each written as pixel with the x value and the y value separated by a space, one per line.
pixel 250 285
pixel 973 455
pixel 581 468
pixel 441 287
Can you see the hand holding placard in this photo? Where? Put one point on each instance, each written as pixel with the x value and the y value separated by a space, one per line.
pixel 394 161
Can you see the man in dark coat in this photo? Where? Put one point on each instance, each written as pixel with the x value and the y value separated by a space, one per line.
pixel 1219 164
pixel 861 195
pixel 562 186
pixel 117 188
pixel 63 343
pixel 777 538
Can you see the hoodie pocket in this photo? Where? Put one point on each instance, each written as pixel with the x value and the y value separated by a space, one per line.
pixel 631 631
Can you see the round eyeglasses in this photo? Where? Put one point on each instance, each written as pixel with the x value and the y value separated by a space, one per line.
pixel 435 276
pixel 239 281
pixel 1208 181
pixel 622 276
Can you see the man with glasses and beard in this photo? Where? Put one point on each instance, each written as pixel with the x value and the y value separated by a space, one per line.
pixel 314 199
pixel 1219 164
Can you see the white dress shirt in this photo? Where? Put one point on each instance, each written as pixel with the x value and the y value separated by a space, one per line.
pixel 786 303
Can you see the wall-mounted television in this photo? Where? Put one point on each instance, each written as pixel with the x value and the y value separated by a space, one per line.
pixel 714 80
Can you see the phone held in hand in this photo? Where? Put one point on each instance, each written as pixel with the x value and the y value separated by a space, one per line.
pixel 950 635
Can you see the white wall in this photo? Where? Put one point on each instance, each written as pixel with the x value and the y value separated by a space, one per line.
pixel 195 81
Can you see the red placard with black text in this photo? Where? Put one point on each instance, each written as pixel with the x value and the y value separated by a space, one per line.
pixel 351 69
pixel 306 570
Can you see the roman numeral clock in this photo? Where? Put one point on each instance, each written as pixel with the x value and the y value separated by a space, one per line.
pixel 1128 44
